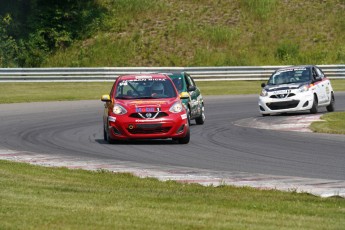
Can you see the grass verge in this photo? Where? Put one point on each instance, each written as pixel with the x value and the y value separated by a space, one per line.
pixel 34 197
pixel 331 123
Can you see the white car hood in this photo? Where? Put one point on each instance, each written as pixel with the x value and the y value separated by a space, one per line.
pixel 284 86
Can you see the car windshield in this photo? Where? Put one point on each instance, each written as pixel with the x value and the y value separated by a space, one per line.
pixel 179 83
pixel 289 76
pixel 145 88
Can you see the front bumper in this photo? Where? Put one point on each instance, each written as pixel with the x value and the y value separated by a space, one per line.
pixel 124 127
pixel 274 104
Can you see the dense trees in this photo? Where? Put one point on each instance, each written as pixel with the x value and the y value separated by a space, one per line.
pixel 32 29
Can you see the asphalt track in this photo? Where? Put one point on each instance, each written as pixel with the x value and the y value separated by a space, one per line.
pixel 236 145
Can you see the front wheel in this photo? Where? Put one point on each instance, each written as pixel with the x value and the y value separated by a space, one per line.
pixel 201 119
pixel 184 140
pixel 331 106
pixel 314 109
pixel 107 136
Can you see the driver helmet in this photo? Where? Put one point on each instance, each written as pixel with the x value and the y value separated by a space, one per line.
pixel 158 88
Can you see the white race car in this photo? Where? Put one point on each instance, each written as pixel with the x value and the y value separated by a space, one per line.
pixel 296 88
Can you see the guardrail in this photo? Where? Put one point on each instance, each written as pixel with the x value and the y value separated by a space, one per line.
pixel 111 73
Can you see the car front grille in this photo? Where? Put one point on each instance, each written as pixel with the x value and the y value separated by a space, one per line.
pixel 279 96
pixel 148 129
pixel 283 105
pixel 159 115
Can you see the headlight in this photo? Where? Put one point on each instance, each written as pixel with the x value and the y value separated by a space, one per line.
pixel 119 110
pixel 176 108
pixel 304 88
pixel 263 93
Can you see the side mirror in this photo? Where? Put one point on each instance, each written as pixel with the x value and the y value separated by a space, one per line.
pixel 317 79
pixel 184 95
pixel 191 88
pixel 105 98
pixel 263 85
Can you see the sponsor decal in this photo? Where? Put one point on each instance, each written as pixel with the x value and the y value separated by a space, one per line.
pixel 143 77
pixel 291 69
pixel 184 116
pixel 147 102
pixel 147 110
pixel 112 119
pixel 151 120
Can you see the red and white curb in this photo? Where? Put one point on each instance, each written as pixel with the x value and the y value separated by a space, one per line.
pixel 297 123
pixel 318 187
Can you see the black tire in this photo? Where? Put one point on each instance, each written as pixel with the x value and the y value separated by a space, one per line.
pixel 105 135
pixel 314 108
pixel 331 106
pixel 188 116
pixel 110 140
pixel 201 119
pixel 184 140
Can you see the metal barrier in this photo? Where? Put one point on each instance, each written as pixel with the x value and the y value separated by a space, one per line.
pixel 111 73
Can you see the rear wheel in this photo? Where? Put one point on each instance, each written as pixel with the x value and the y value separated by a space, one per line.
pixel 314 108
pixel 331 106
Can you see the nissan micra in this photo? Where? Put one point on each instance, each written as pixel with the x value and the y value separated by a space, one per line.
pixel 296 88
pixel 145 107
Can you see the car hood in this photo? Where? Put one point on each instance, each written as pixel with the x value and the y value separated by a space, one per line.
pixel 165 103
pixel 284 86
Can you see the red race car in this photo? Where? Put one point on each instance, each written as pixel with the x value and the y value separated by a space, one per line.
pixel 145 106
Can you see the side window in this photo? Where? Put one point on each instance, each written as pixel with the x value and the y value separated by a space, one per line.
pixel 315 74
pixel 319 73
pixel 190 81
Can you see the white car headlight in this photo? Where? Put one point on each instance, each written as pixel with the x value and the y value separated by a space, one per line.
pixel 119 110
pixel 304 88
pixel 263 93
pixel 177 107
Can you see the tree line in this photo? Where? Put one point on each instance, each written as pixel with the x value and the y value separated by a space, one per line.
pixel 30 30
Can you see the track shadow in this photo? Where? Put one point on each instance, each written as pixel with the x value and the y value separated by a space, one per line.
pixel 139 142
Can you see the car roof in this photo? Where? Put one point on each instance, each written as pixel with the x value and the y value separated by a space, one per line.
pixel 294 67
pixel 174 74
pixel 137 76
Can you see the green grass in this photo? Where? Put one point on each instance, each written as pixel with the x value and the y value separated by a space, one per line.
pixel 38 92
pixel 211 33
pixel 331 123
pixel 34 197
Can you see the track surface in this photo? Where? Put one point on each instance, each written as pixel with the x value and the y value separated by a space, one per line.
pixel 223 144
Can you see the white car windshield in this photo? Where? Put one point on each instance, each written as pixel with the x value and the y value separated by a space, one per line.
pixel 289 76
